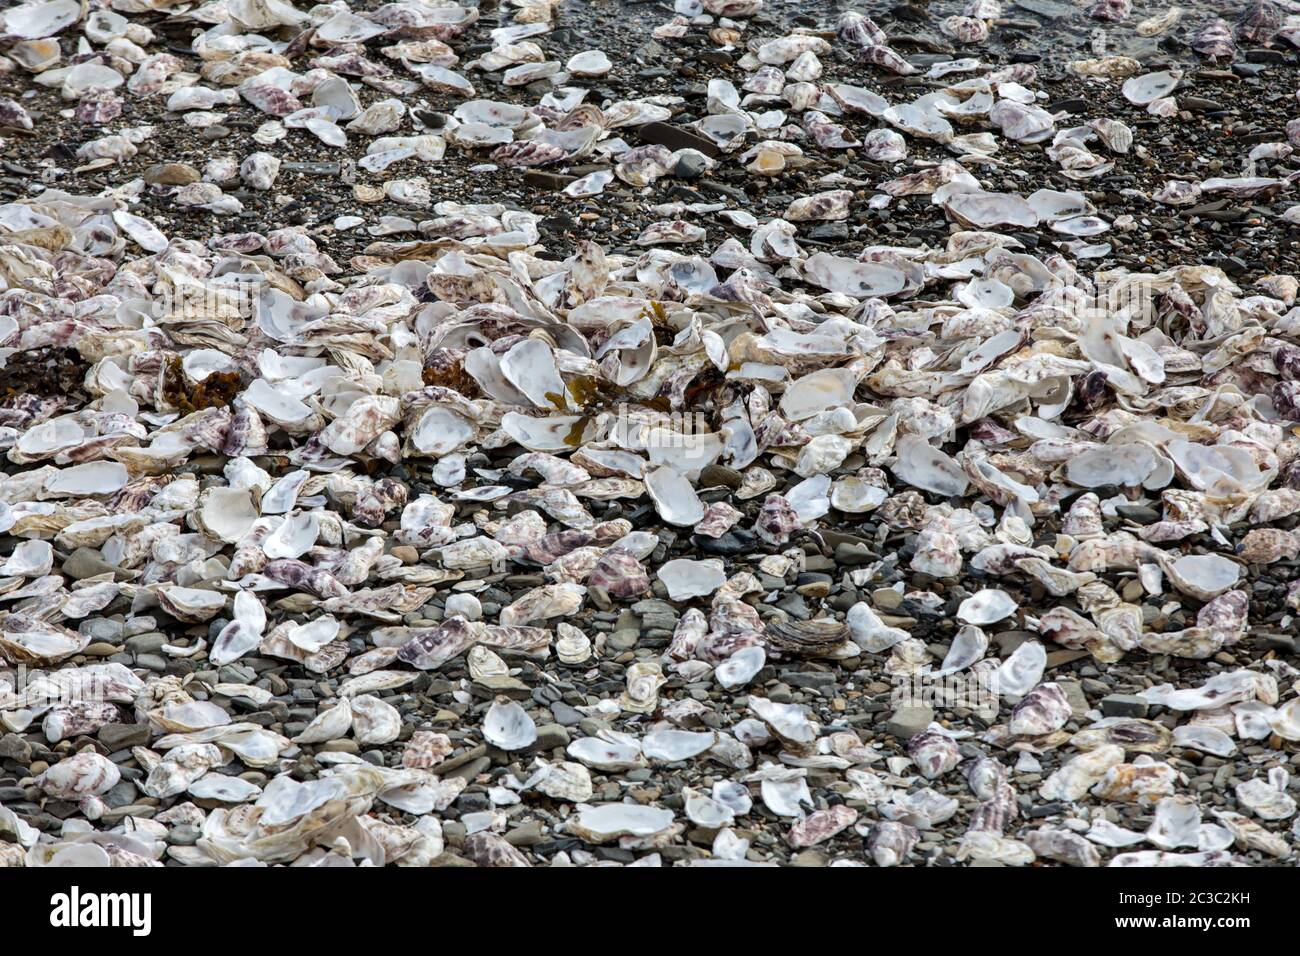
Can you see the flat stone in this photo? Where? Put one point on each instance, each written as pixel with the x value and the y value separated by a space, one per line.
pixel 854 554
pixel 149 643
pixel 528 833
pixel 1073 691
pixel 676 137
pixel 344 746
pixel 622 640
pixel 1124 705
pixel 15 748
pixel 906 722
pixel 183 835
pixel 171 174
pixel 121 736
pixel 153 662
pixel 1066 656
pixel 720 475
pixel 565 715
pixel 117 814
pixel 1047 9
pixel 467 771
pixel 886 599
pixel 545 180
pixel 86 563
pixel 692 165
pixel 1142 514
pixel 505 685
pixel 599 597
pixel 1008 641
pixel 550 736
pixel 1075 104
pixel 736 541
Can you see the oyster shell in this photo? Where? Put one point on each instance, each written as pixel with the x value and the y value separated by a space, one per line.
pixel 507 726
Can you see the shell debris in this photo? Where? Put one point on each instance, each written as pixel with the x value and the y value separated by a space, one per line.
pixel 520 436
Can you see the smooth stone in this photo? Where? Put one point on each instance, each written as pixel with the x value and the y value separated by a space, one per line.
pixel 153 662
pixel 906 722
pixel 121 736
pixel 545 180
pixel 734 542
pixel 1074 694
pixel 86 563
pixel 1142 514
pixel 15 748
pixel 720 475
pixel 171 174
pixel 1124 705
pixel 676 137
pixel 183 835
pixel 565 715
pixel 150 643
pixel 550 736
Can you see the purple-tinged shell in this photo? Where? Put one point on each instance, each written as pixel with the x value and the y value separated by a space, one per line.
pixel 1043 710
pixel 375 502
pixel 1286 400
pixel 1113 10
pixel 98 107
pixel 860 30
pixel 1226 616
pixel 1260 22
pixel 526 153
pixel 488 849
pixel 719 518
pixel 1215 41
pixel 13 115
pixel 882 56
pixel 303 577
pixel 933 753
pixel 247 435
pixel 620 574
pixel 890 842
pixel 558 544
pixel 777 520
pixel 993 816
pixel 827 134
pixel 430 648
pixel 272 99
pixel 77 718
pixel 820 825
pixel 690 631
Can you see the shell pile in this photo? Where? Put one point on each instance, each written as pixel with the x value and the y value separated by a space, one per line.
pixel 430 437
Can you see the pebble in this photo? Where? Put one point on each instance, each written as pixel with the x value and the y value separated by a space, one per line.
pixel 1124 705
pixel 908 721
pixel 15 748
pixel 122 736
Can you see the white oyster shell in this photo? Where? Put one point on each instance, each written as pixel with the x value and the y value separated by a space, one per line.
pixel 507 726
